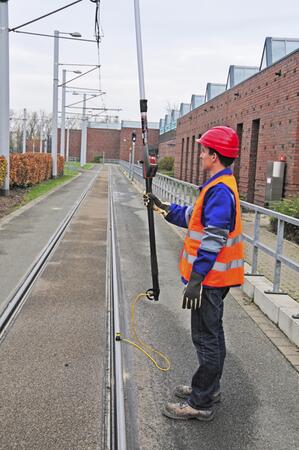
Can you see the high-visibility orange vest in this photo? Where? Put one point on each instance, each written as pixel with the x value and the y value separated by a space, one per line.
pixel 228 269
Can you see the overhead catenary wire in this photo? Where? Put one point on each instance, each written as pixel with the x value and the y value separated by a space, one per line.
pixel 45 15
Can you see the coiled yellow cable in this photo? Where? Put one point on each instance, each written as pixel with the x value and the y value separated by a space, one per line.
pixel 146 349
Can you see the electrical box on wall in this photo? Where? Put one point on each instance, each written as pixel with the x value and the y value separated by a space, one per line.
pixel 274 181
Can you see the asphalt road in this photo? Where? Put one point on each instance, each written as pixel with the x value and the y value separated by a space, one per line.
pixel 260 406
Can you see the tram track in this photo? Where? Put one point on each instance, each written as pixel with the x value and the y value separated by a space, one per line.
pixel 17 298
pixel 115 421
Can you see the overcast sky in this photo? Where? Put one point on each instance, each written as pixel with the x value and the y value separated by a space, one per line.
pixel 185 45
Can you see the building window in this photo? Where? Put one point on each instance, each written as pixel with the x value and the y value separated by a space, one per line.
pixel 192 159
pixel 252 160
pixel 238 160
pixel 198 161
pixel 182 159
pixel 186 159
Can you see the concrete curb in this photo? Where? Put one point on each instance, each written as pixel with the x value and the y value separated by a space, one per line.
pixel 279 308
pixel 12 215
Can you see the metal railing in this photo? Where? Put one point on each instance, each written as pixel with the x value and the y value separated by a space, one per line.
pixel 183 193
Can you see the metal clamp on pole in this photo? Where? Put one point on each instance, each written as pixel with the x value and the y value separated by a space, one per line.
pixel 149 161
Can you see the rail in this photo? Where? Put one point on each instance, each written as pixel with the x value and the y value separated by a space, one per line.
pixel 183 193
pixel 116 422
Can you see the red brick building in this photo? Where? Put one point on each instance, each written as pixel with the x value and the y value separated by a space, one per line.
pixel 264 110
pixel 113 140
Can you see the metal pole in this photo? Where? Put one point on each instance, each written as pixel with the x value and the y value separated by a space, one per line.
pixel 139 49
pixel 133 160
pixel 130 162
pixel 24 130
pixel 4 90
pixel 103 157
pixel 68 142
pixel 41 134
pixel 62 130
pixel 55 104
pixel 83 133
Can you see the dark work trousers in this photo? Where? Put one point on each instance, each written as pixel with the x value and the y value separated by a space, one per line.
pixel 208 339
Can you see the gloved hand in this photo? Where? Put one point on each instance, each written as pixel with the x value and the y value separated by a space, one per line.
pixel 192 293
pixel 158 206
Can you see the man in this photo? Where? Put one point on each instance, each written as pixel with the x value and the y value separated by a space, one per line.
pixel 211 262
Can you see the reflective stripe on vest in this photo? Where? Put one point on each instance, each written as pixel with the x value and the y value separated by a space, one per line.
pixel 218 266
pixel 198 237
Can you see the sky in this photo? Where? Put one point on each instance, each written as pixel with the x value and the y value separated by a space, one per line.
pixel 185 45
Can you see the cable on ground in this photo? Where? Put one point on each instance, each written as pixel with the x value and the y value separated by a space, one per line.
pixel 146 349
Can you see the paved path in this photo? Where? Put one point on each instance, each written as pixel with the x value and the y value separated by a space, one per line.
pixel 289 277
pixel 260 408
pixel 23 237
pixel 52 360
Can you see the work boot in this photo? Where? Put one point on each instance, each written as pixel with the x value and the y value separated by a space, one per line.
pixel 183 411
pixel 183 391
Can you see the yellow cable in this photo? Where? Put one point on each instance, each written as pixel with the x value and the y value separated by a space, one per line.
pixel 146 349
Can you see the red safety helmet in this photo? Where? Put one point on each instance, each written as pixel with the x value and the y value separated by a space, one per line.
pixel 222 139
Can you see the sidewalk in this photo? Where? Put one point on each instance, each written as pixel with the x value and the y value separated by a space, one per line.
pixel 53 358
pixel 23 235
pixel 260 407
pixel 289 278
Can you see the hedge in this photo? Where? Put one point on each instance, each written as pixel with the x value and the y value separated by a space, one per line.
pixel 290 207
pixel 3 165
pixel 27 169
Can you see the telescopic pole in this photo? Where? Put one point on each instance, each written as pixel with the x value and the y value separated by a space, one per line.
pixel 149 163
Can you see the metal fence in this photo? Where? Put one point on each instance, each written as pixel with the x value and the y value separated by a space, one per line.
pixel 184 193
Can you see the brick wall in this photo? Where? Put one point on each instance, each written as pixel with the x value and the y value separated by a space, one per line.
pixel 267 97
pixel 114 143
pixel 102 141
pixel 167 144
pixel 125 142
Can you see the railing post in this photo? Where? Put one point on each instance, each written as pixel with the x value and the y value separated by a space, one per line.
pixel 279 248
pixel 256 235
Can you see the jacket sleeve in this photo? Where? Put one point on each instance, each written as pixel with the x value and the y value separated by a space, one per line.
pixel 179 215
pixel 218 219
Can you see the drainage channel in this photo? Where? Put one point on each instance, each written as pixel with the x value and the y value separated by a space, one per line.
pixel 115 420
pixel 17 299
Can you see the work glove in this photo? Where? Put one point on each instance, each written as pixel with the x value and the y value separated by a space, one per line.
pixel 158 206
pixel 192 293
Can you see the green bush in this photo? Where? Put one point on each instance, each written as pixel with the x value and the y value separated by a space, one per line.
pixel 166 163
pixel 98 159
pixel 290 207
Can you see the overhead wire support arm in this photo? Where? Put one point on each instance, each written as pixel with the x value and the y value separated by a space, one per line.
pixel 81 101
pixel 79 76
pixel 31 33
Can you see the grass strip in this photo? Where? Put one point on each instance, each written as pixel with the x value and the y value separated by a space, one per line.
pixel 43 188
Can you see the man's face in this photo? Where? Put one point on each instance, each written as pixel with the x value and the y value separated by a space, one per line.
pixel 207 160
